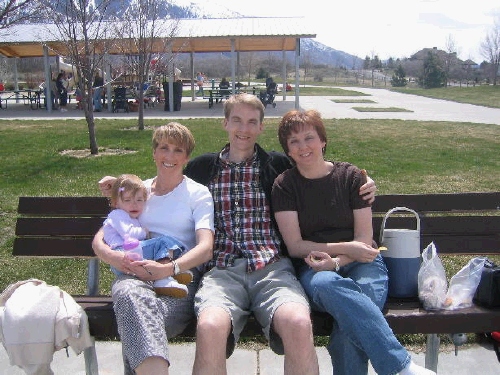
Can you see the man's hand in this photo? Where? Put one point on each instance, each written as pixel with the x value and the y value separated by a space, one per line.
pixel 368 189
pixel 105 185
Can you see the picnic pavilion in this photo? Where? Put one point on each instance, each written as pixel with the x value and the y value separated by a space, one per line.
pixel 230 35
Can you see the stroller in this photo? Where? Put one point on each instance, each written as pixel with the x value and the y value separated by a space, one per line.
pixel 120 101
pixel 267 96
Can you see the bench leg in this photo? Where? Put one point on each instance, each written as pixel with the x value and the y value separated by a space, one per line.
pixel 90 356
pixel 432 352
pixel 93 277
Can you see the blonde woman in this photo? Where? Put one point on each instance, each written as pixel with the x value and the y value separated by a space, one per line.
pixel 145 320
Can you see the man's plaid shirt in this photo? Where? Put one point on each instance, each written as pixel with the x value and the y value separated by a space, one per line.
pixel 243 226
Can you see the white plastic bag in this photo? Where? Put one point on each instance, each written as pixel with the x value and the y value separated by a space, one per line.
pixel 463 285
pixel 432 284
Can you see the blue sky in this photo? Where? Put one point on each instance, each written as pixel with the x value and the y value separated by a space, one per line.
pixel 387 28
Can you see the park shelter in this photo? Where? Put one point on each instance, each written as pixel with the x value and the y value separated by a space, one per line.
pixel 232 35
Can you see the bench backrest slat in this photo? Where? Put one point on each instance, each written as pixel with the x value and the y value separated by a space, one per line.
pixel 48 225
pixel 53 247
pixel 63 206
pixel 438 225
pixel 59 226
pixel 483 201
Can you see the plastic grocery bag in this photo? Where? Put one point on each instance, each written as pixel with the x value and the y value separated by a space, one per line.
pixel 463 285
pixel 432 284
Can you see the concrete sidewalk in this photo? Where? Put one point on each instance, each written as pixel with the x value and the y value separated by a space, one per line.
pixel 420 108
pixel 474 360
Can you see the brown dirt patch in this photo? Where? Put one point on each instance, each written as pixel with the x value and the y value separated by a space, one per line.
pixel 102 152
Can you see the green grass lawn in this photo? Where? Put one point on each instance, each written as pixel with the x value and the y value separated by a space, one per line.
pixel 380 109
pixel 401 156
pixel 353 101
pixel 488 96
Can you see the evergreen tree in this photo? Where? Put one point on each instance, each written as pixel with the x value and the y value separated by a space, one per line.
pixel 261 73
pixel 399 77
pixel 433 75
pixel 367 63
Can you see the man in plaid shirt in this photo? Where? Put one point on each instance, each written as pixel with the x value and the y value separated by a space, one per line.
pixel 249 272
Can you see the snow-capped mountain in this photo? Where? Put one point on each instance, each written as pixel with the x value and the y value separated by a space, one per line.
pixel 317 53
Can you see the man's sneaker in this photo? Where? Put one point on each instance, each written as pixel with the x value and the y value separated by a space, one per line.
pixel 184 277
pixel 170 287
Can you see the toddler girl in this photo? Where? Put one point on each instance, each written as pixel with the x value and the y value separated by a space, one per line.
pixel 128 197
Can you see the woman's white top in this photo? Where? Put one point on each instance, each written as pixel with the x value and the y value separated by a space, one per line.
pixel 179 213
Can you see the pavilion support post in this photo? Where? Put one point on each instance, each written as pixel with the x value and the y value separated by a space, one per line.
pixel 238 67
pixel 297 74
pixel 171 74
pixel 191 62
pixel 283 75
pixel 107 82
pixel 233 66
pixel 48 80
pixel 16 79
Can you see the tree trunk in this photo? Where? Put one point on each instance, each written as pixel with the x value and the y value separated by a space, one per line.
pixel 140 120
pixel 88 108
pixel 94 150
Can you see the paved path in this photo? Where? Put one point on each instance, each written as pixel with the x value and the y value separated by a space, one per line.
pixel 471 361
pixel 422 108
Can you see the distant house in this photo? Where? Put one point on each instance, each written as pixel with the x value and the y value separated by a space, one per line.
pixel 469 64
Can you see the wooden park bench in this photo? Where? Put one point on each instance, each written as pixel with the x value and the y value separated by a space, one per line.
pixel 459 224
pixel 217 95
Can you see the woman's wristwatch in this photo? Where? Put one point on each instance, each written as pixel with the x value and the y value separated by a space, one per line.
pixel 177 269
pixel 337 264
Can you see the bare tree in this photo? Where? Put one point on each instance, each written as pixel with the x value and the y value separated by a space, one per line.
pixel 82 26
pixel 13 12
pixel 490 49
pixel 247 63
pixel 450 58
pixel 306 63
pixel 145 36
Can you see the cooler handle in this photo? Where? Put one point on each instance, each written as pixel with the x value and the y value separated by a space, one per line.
pixel 394 210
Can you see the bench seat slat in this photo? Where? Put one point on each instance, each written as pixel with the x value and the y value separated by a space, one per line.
pixel 99 309
pixel 474 319
pixel 470 320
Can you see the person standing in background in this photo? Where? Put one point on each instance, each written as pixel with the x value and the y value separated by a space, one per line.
pixel 97 95
pixel 62 91
pixel 200 79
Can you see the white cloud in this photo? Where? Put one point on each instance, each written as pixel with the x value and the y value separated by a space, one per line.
pixel 388 28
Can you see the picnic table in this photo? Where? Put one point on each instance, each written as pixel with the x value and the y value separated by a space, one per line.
pixel 31 97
